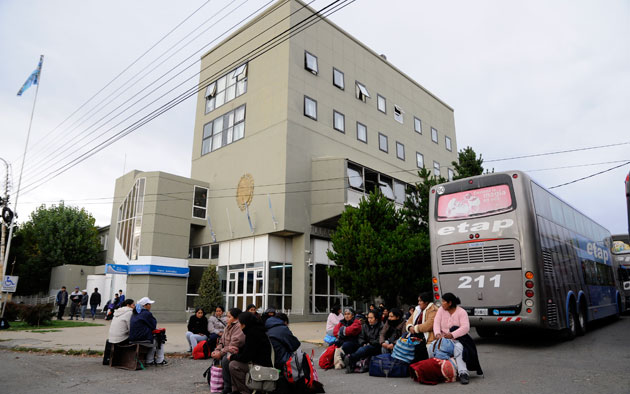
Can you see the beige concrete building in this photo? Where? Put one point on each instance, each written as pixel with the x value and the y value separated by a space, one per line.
pixel 284 140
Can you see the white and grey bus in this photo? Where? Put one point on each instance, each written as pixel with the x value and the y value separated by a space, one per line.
pixel 518 256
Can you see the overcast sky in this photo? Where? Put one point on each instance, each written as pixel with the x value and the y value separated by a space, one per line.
pixel 523 78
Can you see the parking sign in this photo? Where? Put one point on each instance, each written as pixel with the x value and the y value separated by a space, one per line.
pixel 9 284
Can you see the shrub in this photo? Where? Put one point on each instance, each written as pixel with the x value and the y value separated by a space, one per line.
pixel 13 311
pixel 36 315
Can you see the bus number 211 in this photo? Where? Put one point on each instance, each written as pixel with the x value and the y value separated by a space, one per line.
pixel 465 281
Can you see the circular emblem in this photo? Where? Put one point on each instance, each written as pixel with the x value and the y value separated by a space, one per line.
pixel 245 191
pixel 440 190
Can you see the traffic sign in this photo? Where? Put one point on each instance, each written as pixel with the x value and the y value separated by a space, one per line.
pixel 9 284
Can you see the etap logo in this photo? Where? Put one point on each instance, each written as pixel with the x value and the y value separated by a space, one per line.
pixel 465 227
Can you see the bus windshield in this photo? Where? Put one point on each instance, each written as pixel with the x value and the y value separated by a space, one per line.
pixel 475 202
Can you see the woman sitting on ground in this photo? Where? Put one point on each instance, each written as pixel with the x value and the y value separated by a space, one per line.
pixel 284 345
pixel 452 317
pixel 229 344
pixel 392 330
pixel 197 328
pixel 216 327
pixel 369 341
pixel 334 318
pixel 420 324
pixel 347 332
pixel 256 350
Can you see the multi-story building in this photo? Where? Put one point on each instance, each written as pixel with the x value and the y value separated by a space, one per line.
pixel 287 134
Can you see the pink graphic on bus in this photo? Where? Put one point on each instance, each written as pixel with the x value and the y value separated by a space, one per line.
pixel 474 202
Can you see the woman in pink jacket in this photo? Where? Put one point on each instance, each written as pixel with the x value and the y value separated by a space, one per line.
pixel 449 315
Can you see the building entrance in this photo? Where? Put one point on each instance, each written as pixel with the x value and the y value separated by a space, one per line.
pixel 245 287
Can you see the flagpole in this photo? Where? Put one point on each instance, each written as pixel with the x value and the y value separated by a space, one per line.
pixel 17 193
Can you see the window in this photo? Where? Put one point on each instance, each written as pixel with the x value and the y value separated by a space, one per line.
pixel 361 132
pixel 381 103
pixel 398 114
pixel 382 142
pixel 204 252
pixel 338 79
pixel 310 108
pixel 200 202
pixel 226 88
pixel 339 121
pixel 451 174
pixel 417 125
pixel 400 192
pixel 434 135
pixel 129 223
pixel 447 141
pixel 386 186
pixel 400 150
pixel 310 62
pixel 367 181
pixel 436 169
pixel 223 130
pixel 362 92
pixel 355 176
pixel 419 160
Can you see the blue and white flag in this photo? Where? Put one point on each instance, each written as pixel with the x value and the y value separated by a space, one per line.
pixel 33 79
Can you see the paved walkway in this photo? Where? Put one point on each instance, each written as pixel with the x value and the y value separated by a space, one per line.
pixel 93 338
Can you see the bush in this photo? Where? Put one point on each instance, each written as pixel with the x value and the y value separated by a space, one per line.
pixel 36 315
pixel 13 311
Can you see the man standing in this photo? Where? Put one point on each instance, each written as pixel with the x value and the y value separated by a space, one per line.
pixel 95 301
pixel 75 302
pixel 84 301
pixel 62 301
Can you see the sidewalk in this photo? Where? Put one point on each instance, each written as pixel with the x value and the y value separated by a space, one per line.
pixel 93 338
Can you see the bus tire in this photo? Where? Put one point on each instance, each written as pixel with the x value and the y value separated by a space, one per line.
pixel 582 321
pixel 485 332
pixel 572 320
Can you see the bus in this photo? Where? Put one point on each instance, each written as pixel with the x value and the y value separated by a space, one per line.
pixel 519 257
pixel 621 264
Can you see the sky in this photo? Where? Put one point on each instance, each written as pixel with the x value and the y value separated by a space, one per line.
pixel 523 78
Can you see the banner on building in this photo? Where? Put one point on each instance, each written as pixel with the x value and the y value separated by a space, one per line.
pixel 147 269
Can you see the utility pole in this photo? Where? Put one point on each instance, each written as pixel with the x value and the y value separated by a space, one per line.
pixel 2 225
pixel 628 200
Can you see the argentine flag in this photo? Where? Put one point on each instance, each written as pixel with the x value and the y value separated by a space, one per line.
pixel 33 79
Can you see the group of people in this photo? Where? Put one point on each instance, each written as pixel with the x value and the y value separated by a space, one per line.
pixel 383 327
pixel 243 337
pixel 133 322
pixel 79 301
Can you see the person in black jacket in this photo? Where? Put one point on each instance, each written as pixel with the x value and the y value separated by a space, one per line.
pixel 256 350
pixel 141 329
pixel 95 301
pixel 283 341
pixel 62 301
pixel 368 341
pixel 197 328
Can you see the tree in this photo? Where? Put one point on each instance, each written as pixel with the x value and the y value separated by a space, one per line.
pixel 52 237
pixel 416 208
pixel 209 291
pixel 467 164
pixel 376 253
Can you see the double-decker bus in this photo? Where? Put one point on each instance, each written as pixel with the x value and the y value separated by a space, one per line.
pixel 621 264
pixel 518 256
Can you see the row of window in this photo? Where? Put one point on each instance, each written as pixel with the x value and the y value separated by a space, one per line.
pixel 226 88
pixel 223 130
pixel 362 93
pixel 200 202
pixel 339 124
pixel 204 252
pixel 367 180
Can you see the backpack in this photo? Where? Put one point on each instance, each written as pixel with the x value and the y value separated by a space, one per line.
pixel 443 348
pixel 201 350
pixel 326 360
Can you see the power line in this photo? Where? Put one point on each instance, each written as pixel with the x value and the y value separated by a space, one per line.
pixel 259 51
pixel 576 166
pixel 558 152
pixel 590 176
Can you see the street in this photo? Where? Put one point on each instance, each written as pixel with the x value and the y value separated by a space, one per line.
pixel 595 363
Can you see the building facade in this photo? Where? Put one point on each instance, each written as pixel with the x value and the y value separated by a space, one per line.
pixel 284 140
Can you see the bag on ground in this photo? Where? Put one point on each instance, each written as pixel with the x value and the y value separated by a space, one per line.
pixel 214 377
pixel 330 339
pixel 201 351
pixel 338 358
pixel 443 348
pixel 434 371
pixel 405 348
pixel 261 378
pixel 384 365
pixel 326 360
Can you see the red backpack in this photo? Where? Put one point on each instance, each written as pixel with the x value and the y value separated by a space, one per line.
pixel 201 350
pixel 326 360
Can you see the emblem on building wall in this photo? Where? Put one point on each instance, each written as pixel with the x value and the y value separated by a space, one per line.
pixel 245 191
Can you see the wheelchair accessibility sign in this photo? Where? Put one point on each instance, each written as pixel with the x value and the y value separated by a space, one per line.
pixel 9 284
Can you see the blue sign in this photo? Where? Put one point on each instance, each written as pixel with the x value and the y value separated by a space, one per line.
pixel 147 269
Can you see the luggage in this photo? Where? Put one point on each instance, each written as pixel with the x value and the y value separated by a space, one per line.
pixel 443 348
pixel 434 371
pixel 384 365
pixel 326 360
pixel 405 348
pixel 214 376
pixel 202 350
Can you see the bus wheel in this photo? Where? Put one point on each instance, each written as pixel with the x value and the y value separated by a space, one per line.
pixel 486 332
pixel 571 330
pixel 581 322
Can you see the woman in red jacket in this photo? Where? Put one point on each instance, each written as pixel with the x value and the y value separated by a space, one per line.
pixel 347 332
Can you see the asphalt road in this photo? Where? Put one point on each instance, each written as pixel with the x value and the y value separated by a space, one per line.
pixel 518 363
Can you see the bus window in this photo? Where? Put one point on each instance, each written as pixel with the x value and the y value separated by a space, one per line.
pixel 476 202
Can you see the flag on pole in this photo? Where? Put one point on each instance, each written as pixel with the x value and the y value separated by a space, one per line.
pixel 33 79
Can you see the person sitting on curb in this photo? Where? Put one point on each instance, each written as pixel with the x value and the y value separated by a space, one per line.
pixel 216 327
pixel 197 328
pixel 141 330
pixel 392 330
pixel 230 341
pixel 368 341
pixel 119 329
pixel 347 332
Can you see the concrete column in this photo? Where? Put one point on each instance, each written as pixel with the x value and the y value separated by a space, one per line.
pixel 301 285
